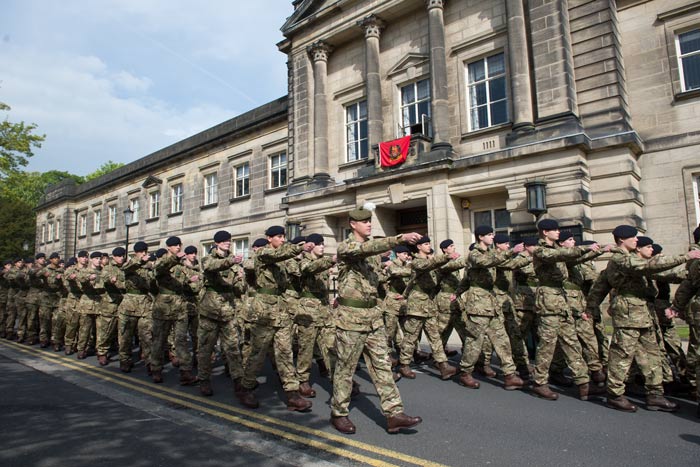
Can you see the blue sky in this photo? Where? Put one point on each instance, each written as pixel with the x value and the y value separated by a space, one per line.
pixel 119 79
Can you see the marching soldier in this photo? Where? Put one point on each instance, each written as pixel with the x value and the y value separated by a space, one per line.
pixel 58 325
pixel 11 276
pixel 398 273
pixel 249 271
pixel 108 321
pixel 34 297
pixel 525 284
pixel 72 309
pixel 4 289
pixel 48 301
pixel 449 313
pixel 192 293
pixel 93 287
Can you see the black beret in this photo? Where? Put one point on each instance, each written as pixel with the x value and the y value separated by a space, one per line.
pixel 260 242
pixel 696 235
pixel 190 250
pixel 17 260
pixel 657 248
pixel 385 259
pixel 316 239
pixel 40 255
pixel 119 251
pixel 547 224
pixel 588 242
pixel 624 231
pixel 501 238
pixel 423 239
pixel 29 260
pixel 643 241
pixel 222 236
pixel 6 262
pixel 173 241
pixel 565 235
pixel 472 246
pixel 83 254
pixel 483 230
pixel 140 246
pixel 152 257
pixel 298 239
pixel 105 255
pixel 160 252
pixel 530 241
pixel 274 230
pixel 54 255
pixel 445 243
pixel 401 249
pixel 96 254
pixel 71 261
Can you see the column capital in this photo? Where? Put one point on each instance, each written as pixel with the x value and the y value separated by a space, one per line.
pixel 372 25
pixel 430 4
pixel 319 51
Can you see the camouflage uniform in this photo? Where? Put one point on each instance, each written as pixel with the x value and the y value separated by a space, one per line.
pixel 90 304
pixel 243 325
pixel 135 310
pixel 108 321
pixel 33 300
pixel 223 283
pixel 449 312
pixel 192 293
pixel 669 333
pixel 22 281
pixel 633 327
pixel 687 301
pixel 555 320
pixel 506 310
pixel 397 275
pixel 525 285
pixel 58 326
pixel 360 325
pixel 71 307
pixel 594 298
pixel 12 291
pixel 421 309
pixel 4 288
pixel 590 276
pixel 49 302
pixel 481 313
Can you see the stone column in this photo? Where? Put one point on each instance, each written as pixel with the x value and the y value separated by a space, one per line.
pixel 375 123
pixel 438 74
pixel 519 66
pixel 319 52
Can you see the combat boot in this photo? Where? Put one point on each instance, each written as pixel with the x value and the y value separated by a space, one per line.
pixel 394 361
pixel 82 355
pixel 543 391
pixel 157 376
pixel 587 389
pixel 396 422
pixel 68 350
pixel 174 361
pixel 560 380
pixel 306 390
pixel 43 344
pixel 205 388
pixel 297 403
pixel 512 382
pixel 187 378
pixel 660 403
pixel 248 399
pixel 485 370
pixel 598 376
pixel 102 360
pixel 406 372
pixel 421 357
pixel 57 347
pixel 343 425
pixel 620 403
pixel 237 387
pixel 125 367
pixel 466 379
pixel 447 371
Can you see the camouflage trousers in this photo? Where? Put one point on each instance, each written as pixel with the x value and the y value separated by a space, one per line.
pixel 192 332
pixel 638 344
pixel 58 326
pixel 478 327
pixel 449 318
pixel 312 336
pixel 130 326
pixel 261 336
pixel 585 331
pixel 21 320
pixel 350 345
pixel 10 319
pixel 413 327
pixel 3 315
pixel 526 323
pixel 561 330
pixel 692 355
pixel 674 350
pixel 88 325
pixel 107 325
pixel 46 314
pixel 209 332
pixel 161 329
pixel 394 332
pixel 32 321
pixel 603 342
pixel 72 324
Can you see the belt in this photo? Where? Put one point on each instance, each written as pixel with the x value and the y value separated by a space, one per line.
pixel 476 286
pixel 218 290
pixel 556 285
pixel 167 292
pixel 529 283
pixel 312 295
pixel 135 292
pixel 448 290
pixel 571 286
pixel 357 303
pixel 265 291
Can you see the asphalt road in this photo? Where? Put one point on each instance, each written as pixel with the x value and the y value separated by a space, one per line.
pixel 58 411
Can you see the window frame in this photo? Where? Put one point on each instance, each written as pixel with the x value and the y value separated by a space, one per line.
pixel 244 249
pixel 244 179
pixel 176 199
pixel 112 216
pixel 50 232
pixel 487 79
pixel 402 125
pixel 135 206
pixel 96 221
pixel 281 167
pixel 82 224
pixel 679 58
pixel 358 124
pixel 43 233
pixel 57 230
pixel 492 212
pixel 154 208
pixel 211 191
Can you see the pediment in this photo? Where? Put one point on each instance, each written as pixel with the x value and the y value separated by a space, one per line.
pixel 305 9
pixel 151 181
pixel 410 60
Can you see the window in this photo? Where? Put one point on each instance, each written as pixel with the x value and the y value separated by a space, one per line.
pixel 50 235
pixel 96 221
pixel 112 217
pixel 211 195
pixel 688 50
pixel 134 205
pixel 82 224
pixel 696 193
pixel 154 204
pixel 498 219
pixel 58 229
pixel 43 233
pixel 415 107
pixel 278 170
pixel 486 80
pixel 240 247
pixel 242 176
pixel 176 198
pixel 356 131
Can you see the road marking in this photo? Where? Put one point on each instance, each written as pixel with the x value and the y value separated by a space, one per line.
pixel 114 377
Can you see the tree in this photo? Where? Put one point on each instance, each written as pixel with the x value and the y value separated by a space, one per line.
pixel 18 227
pixel 16 143
pixel 105 168
pixel 29 187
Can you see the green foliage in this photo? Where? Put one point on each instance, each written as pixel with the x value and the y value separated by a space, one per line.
pixel 29 187
pixel 18 226
pixel 16 143
pixel 105 168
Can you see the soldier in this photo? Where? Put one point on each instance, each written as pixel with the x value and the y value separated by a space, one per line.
pixel 449 313
pixel 192 292
pixel 34 297
pixel 48 301
pixel 223 282
pixel 108 321
pixel 398 272
pixel 422 311
pixel 58 326
pixel 359 324
pixel 22 280
pixel 93 287
pixel 633 332
pixel 243 325
pixel 482 314
pixel 270 322
pixel 525 284
pixel 75 292
pixel 10 277
pixel 555 321
pixel 135 308
pixel 4 289
pixel 170 312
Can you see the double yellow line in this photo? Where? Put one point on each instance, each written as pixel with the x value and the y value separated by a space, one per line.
pixel 270 425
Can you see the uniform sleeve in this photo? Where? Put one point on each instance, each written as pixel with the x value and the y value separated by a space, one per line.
pixel 557 255
pixel 428 264
pixel 269 255
pixel 314 266
pixel 353 250
pixel 636 266
pixel 489 259
pixel 515 263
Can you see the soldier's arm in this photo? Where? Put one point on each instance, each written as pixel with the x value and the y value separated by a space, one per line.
pixel 314 266
pixel 455 264
pixel 214 264
pixel 672 276
pixel 349 251
pixel 269 255
pixel 515 263
pixel 488 259
pixel 588 256
pixel 684 294
pixel 428 264
pixel 394 270
pixel 599 290
pixel 556 255
pixel 165 263
pixel 636 266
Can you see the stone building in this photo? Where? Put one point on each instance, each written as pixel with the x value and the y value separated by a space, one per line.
pixel 592 103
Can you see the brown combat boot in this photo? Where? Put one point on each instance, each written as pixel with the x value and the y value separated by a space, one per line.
pixel 660 403
pixel 394 361
pixel 57 347
pixel 343 425
pixel 248 399
pixel 306 390
pixel 543 391
pixel 598 376
pixel 43 344
pixel 82 355
pixel 466 379
pixel 126 366
pixel 447 371
pixel 68 350
pixel 485 370
pixel 512 382
pixel 187 378
pixel 297 403
pixel 421 357
pixel 394 423
pixel 560 380
pixel 157 376
pixel 102 360
pixel 237 386
pixel 620 403
pixel 406 372
pixel 588 389
pixel 205 388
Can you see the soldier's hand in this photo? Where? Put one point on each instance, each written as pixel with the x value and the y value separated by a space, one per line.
pixel 671 312
pixel 58 276
pixel 180 254
pixel 411 238
pixel 453 297
pixel 585 316
pixel 519 247
pixel 693 254
pixel 237 259
pixel 308 246
pixel 594 247
pixel 72 276
pixel 335 303
pixel 46 274
pixel 608 247
pixel 92 277
pixel 334 258
pixel 454 255
pixel 113 280
pixel 194 278
pixel 399 297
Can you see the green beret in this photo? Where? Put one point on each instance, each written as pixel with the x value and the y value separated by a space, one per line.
pixel 360 214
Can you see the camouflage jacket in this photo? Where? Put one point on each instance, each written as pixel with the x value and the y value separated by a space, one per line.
pixel 114 290
pixel 479 299
pixel 171 279
pixel 72 285
pixel 193 290
pixel 314 304
pixel 687 297
pixel 423 285
pixel 358 280
pixel 138 279
pixel 223 283
pixel 503 284
pixel 93 290
pixel 525 284
pixel 397 274
pixel 4 287
pixel 448 275
pixel 53 287
pixel 36 285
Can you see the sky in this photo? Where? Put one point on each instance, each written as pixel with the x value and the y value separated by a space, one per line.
pixel 119 79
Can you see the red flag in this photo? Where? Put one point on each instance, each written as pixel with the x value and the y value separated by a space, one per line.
pixel 394 152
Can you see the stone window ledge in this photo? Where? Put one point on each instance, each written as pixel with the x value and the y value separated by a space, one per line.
pixel 175 214
pixel 95 233
pixel 359 162
pixel 239 198
pixel 686 95
pixel 208 206
pixel 275 190
pixel 485 131
pixel 152 219
pixel 111 229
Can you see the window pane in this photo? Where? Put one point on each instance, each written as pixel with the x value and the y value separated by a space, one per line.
pixel 691 72
pixel 352 152
pixel 275 179
pixel 496 64
pixel 476 123
pixel 476 71
pixel 363 109
pixel 480 93
pixel 499 113
pixel 364 149
pixel 246 186
pixel 407 116
pixel 689 41
pixel 283 158
pixel 423 109
pixel 482 218
pixel 283 177
pixel 497 89
pixel 502 218
pixel 352 132
pixel 363 129
pixel 423 89
pixel 408 94
pixel 352 113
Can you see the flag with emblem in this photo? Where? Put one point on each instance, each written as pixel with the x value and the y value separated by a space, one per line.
pixel 394 152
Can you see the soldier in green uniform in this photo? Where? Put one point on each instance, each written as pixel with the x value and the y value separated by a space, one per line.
pixel 449 311
pixel 224 280
pixel 4 289
pixel 75 292
pixel 524 286
pixel 422 311
pixel 360 325
pixel 48 301
pixel 34 297
pixel 58 325
pixel 13 288
pixel 192 293
pixel 108 321
pixel 633 333
pixel 398 272
pixel 23 283
pixel 93 287
pixel 249 271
